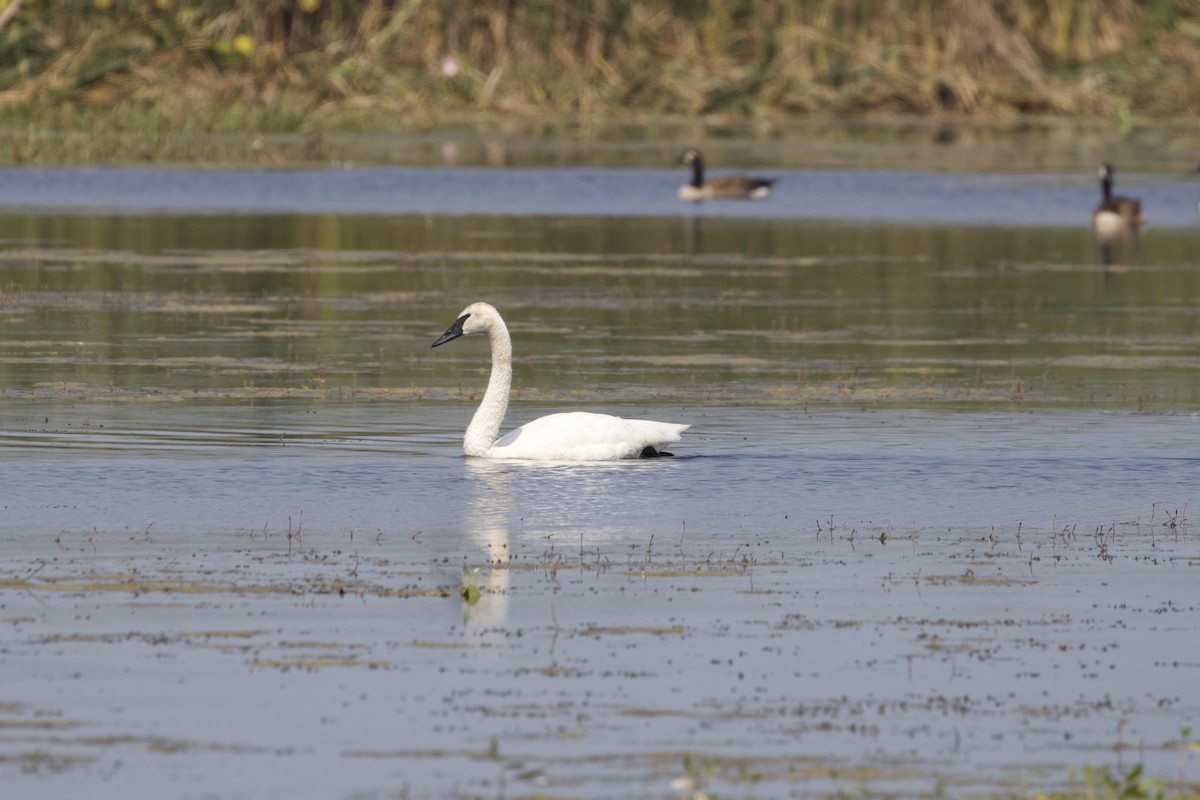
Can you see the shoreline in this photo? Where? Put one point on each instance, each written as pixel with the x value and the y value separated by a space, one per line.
pixel 937 142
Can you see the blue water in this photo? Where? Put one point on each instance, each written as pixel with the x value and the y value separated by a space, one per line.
pixel 907 598
pixel 842 195
pixel 737 472
pixel 929 533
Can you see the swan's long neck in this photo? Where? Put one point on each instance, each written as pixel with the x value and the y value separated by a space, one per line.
pixel 485 425
pixel 697 172
pixel 1106 186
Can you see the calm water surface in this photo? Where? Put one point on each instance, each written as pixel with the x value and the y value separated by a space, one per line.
pixel 928 533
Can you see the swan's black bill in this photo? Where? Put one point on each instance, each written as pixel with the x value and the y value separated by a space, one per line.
pixel 453 332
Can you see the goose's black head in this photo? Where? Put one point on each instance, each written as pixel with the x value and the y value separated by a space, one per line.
pixel 453 332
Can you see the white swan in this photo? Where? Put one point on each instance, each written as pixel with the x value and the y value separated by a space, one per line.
pixel 571 436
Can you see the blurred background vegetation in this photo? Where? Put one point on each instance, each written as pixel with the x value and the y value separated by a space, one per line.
pixel 342 65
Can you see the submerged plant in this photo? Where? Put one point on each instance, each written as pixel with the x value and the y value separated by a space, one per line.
pixel 1133 785
pixel 470 593
pixel 1102 783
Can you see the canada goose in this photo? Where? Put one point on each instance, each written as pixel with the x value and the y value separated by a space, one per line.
pixel 570 436
pixel 1116 216
pixel 724 187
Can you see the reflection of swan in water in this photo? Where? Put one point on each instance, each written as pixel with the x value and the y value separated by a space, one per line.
pixel 568 506
pixel 1116 219
pixel 488 515
pixel 573 436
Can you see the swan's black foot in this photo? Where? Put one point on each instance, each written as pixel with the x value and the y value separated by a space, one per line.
pixel 649 452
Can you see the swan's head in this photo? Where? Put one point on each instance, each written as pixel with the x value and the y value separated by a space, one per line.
pixel 1106 172
pixel 475 318
pixel 690 156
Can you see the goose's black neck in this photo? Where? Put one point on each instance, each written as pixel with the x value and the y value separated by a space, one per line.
pixel 697 171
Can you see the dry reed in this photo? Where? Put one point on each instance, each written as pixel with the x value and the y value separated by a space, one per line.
pixel 202 65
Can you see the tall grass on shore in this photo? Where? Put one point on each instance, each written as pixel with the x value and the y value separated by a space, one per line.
pixel 335 64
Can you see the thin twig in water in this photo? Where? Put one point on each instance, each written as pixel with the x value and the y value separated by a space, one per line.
pixel 295 534
pixel 554 638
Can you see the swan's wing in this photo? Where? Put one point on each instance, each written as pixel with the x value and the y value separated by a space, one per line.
pixel 580 436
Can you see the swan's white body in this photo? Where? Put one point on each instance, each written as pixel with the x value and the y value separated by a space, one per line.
pixel 571 436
